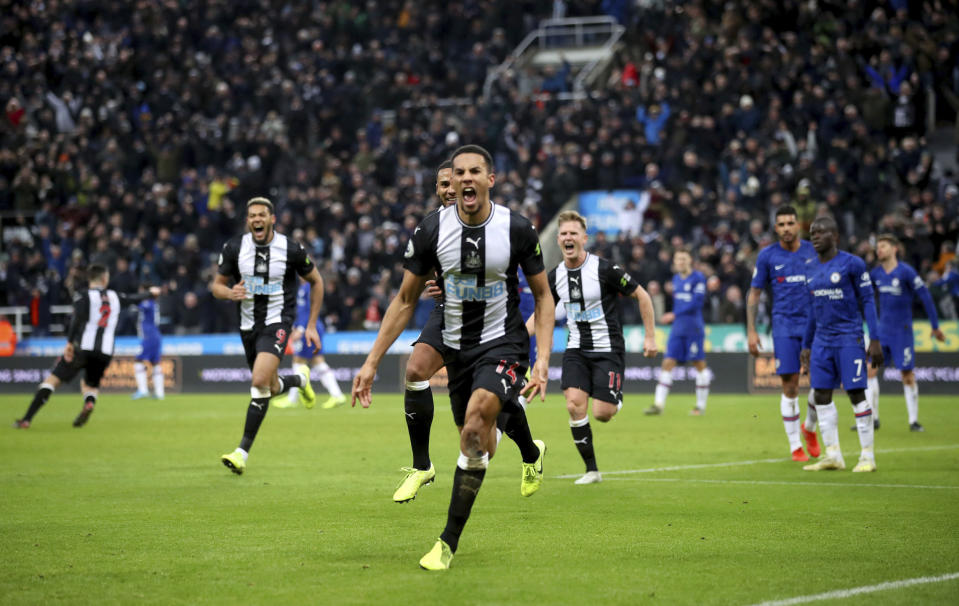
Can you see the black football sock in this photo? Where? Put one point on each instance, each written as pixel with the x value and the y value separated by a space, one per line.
pixel 516 426
pixel 288 383
pixel 583 439
pixel 39 399
pixel 466 485
pixel 418 406
pixel 254 416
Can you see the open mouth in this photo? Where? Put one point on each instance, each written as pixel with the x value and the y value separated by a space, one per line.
pixel 259 231
pixel 569 247
pixel 469 194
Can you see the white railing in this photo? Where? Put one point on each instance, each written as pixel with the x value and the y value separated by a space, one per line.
pixel 601 32
pixel 18 314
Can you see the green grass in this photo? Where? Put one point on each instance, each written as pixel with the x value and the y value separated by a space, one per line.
pixel 136 507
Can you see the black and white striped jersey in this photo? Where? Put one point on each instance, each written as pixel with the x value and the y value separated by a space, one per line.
pixel 588 294
pixel 478 265
pixel 269 274
pixel 95 314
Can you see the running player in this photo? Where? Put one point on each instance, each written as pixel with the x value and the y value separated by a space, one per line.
pixel 151 344
pixel 833 344
pixel 687 336
pixel 89 347
pixel 426 360
pixel 898 285
pixel 304 353
pixel 262 266
pixel 782 266
pixel 589 286
pixel 477 246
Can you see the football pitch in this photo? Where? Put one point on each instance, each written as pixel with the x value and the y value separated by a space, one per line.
pixel 135 507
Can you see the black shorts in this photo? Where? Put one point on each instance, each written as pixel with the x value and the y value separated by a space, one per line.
pixel 432 334
pixel 270 339
pixel 500 369
pixel 600 374
pixel 92 363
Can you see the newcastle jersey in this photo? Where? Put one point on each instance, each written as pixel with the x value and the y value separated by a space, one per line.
pixel 478 265
pixel 589 293
pixel 269 274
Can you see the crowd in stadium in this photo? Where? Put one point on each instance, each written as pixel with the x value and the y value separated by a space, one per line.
pixel 133 139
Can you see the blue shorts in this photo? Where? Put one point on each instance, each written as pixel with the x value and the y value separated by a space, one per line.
pixel 786 350
pixel 302 349
pixel 150 348
pixel 832 366
pixel 685 348
pixel 899 350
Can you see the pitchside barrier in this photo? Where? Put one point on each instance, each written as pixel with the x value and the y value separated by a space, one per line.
pixel 215 363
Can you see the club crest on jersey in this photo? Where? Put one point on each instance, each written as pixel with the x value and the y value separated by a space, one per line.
pixel 575 293
pixel 473 260
pixel 895 281
pixel 834 277
pixel 261 267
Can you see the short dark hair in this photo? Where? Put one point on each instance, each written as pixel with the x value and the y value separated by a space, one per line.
pixel 786 210
pixel 260 200
pixel 444 165
pixel 829 222
pixel 891 239
pixel 96 271
pixel 474 149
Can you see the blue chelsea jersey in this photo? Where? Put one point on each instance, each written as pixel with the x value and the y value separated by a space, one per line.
pixel 785 273
pixel 838 287
pixel 689 295
pixel 149 321
pixel 897 289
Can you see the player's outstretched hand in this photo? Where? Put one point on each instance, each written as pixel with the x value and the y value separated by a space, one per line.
pixel 363 386
pixel 238 292
pixel 875 353
pixel 537 381
pixel 804 357
pixel 313 337
pixel 938 335
pixel 753 343
pixel 649 346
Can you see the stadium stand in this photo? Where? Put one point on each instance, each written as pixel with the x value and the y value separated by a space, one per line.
pixel 133 133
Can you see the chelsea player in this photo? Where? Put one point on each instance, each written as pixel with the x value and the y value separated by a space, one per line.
pixel 151 344
pixel 687 336
pixel 782 266
pixel 839 283
pixel 304 353
pixel 898 284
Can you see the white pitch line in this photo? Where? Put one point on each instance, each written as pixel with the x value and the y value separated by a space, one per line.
pixel 751 462
pixel 782 483
pixel 847 593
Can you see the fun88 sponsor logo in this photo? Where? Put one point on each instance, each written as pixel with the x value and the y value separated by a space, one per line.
pixel 464 288
pixel 257 286
pixel 575 313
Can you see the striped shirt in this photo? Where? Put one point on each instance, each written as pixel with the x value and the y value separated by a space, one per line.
pixel 478 264
pixel 95 315
pixel 269 274
pixel 589 295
